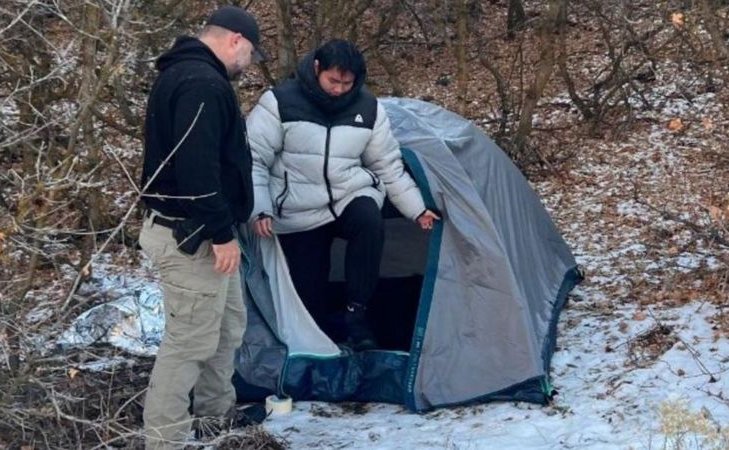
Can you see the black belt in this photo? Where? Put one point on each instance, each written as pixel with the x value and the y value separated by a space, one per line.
pixel 169 223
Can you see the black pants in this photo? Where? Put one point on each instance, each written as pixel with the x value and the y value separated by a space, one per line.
pixel 308 254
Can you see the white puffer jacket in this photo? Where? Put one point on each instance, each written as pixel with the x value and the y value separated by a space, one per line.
pixel 307 165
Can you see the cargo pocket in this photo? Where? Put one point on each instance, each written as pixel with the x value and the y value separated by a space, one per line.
pixel 187 310
pixel 153 244
pixel 192 323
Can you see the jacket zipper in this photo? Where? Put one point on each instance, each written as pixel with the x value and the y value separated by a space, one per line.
pixel 326 172
pixel 282 196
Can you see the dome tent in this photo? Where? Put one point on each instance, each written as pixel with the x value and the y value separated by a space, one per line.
pixel 464 313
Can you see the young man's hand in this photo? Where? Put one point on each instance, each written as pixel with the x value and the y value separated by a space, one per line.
pixel 227 257
pixel 426 219
pixel 263 226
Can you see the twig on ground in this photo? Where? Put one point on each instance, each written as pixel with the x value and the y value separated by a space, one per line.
pixel 691 350
pixel 710 233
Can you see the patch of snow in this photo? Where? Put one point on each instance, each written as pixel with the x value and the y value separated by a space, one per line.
pixel 67 58
pixel 8 112
pixel 688 261
pixel 604 400
pixel 631 208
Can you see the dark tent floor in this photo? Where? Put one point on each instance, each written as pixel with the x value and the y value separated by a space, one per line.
pixel 391 313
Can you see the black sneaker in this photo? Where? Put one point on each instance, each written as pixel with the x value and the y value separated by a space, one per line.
pixel 250 415
pixel 360 336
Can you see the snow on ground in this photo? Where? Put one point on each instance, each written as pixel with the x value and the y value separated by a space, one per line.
pixel 609 391
pixel 605 400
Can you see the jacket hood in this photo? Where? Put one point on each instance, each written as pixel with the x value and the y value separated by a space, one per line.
pixel 188 48
pixel 310 84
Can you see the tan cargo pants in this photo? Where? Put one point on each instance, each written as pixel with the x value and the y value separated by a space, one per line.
pixel 204 322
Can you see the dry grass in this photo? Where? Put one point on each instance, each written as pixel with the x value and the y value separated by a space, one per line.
pixel 686 429
pixel 58 403
pixel 52 403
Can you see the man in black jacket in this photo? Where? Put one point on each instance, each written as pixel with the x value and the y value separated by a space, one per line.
pixel 197 180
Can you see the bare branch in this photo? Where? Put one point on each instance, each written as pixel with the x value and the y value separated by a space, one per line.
pixel 110 151
pixel 121 224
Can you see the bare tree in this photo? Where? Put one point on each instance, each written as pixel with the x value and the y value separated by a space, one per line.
pixel 59 115
pixel 462 71
pixel 386 22
pixel 551 25
pixel 515 17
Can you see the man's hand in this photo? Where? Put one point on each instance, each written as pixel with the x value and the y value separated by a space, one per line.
pixel 263 226
pixel 427 219
pixel 227 257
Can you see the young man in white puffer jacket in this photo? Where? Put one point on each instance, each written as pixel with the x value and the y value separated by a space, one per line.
pixel 324 157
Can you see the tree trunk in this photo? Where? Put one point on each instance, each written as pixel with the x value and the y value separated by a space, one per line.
pixel 502 90
pixel 548 29
pixel 287 46
pixel 515 17
pixel 462 63
pixel 91 209
pixel 320 15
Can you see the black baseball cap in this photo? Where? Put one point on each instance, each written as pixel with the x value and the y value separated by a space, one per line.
pixel 240 21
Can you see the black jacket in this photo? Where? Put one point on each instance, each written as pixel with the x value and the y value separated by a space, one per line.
pixel 213 161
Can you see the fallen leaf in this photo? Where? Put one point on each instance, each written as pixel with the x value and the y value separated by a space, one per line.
pixel 675 125
pixel 707 123
pixel 716 213
pixel 72 373
pixel 678 19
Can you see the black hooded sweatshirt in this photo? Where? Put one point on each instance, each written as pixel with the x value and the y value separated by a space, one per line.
pixel 212 166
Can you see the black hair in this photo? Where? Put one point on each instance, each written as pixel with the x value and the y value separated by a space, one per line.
pixel 343 55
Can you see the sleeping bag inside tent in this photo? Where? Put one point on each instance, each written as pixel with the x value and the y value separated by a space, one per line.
pixel 464 313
